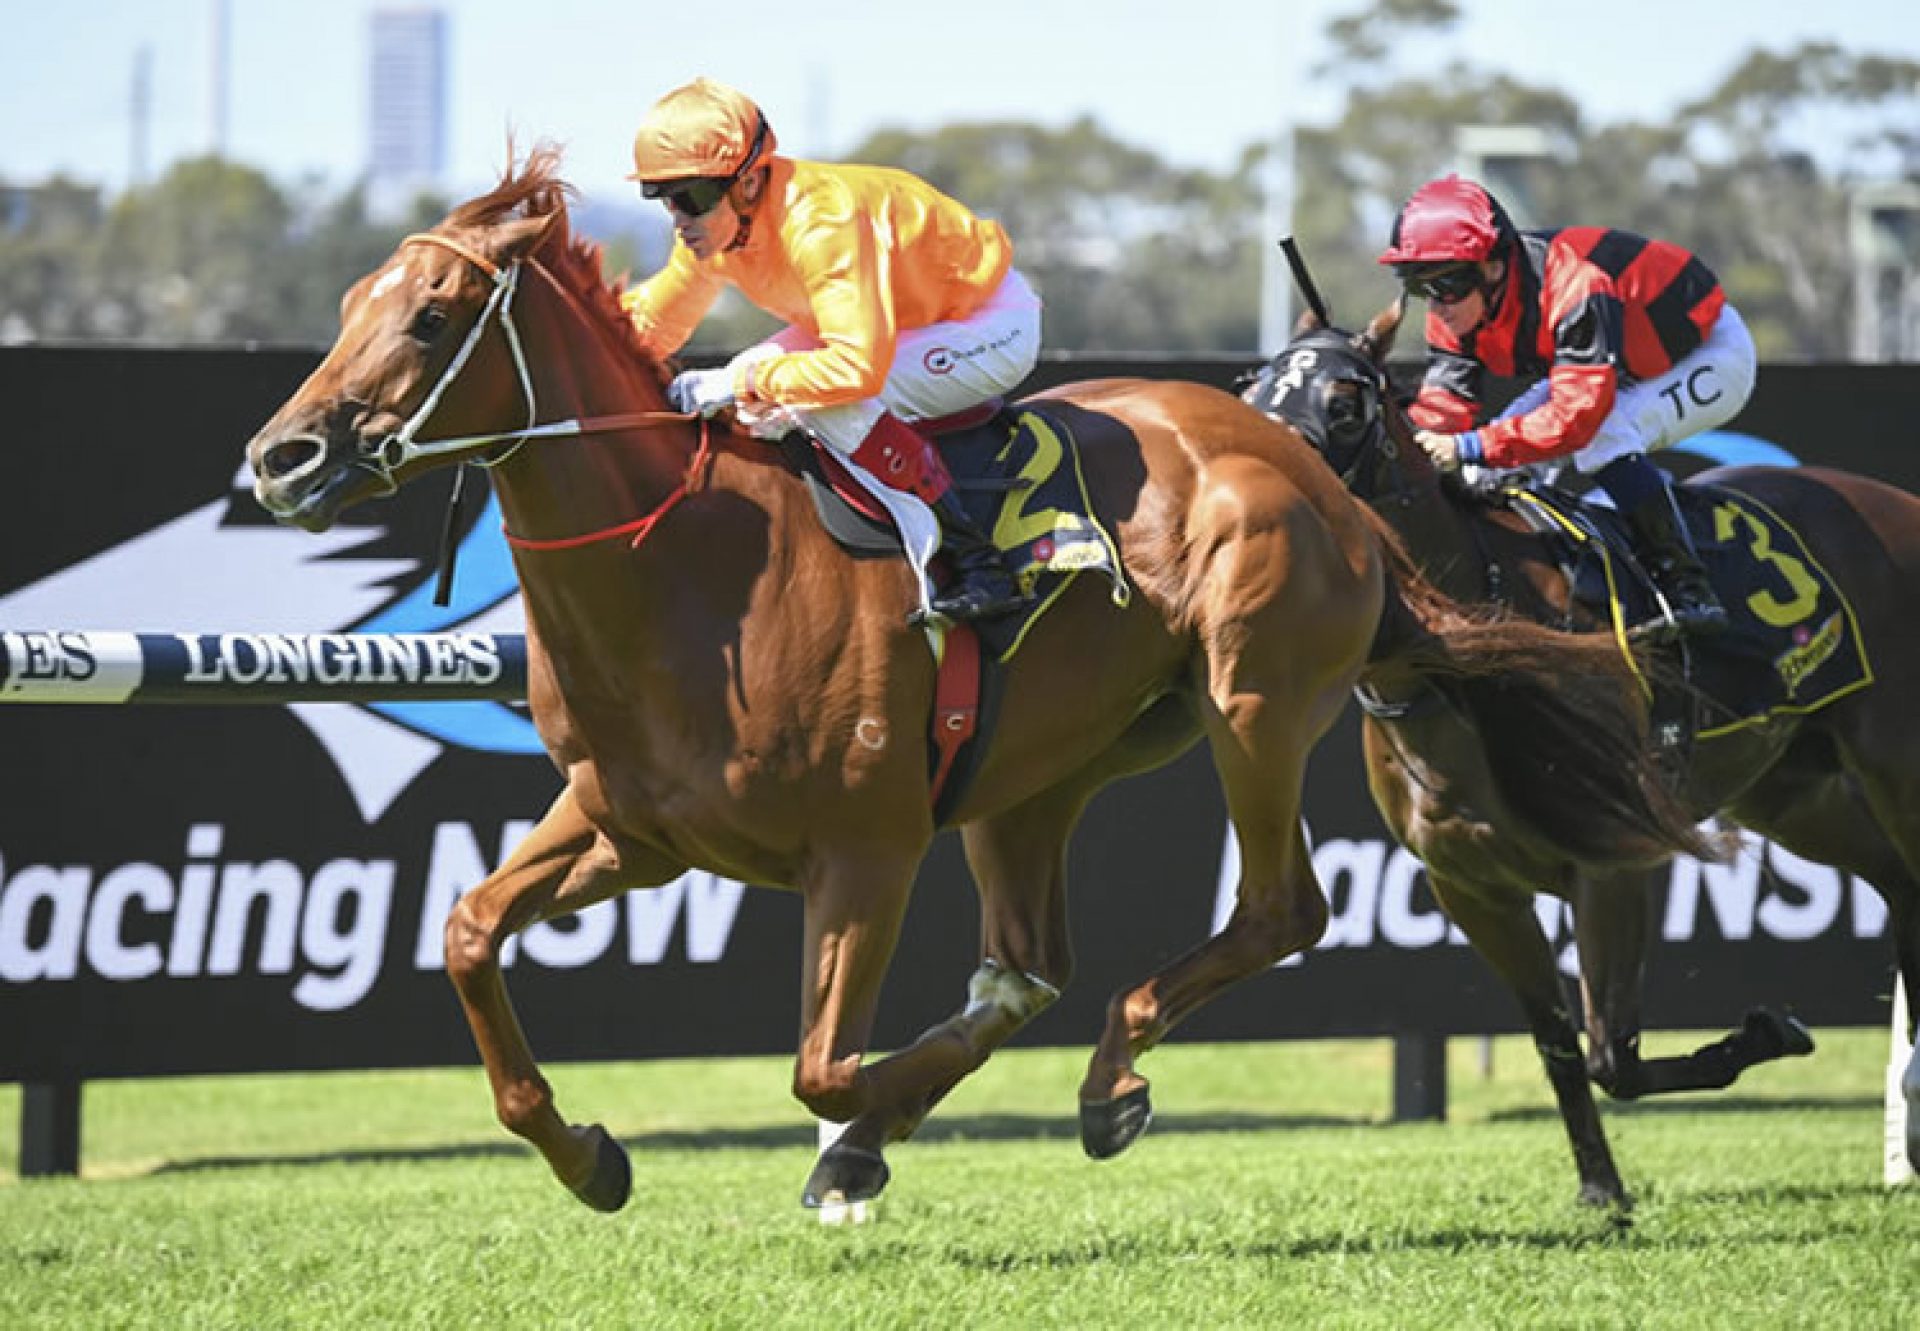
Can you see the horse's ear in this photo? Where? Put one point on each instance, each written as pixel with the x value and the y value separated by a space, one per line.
pixel 518 239
pixel 1377 340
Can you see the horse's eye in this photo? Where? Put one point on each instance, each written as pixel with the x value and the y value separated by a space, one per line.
pixel 428 323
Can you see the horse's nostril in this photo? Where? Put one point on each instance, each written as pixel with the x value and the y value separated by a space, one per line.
pixel 288 456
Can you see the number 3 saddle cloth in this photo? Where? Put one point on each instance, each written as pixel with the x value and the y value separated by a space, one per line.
pixel 1793 645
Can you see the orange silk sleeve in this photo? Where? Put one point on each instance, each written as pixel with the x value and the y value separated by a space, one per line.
pixel 668 306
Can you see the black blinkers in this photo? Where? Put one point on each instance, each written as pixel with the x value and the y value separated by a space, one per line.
pixel 1305 387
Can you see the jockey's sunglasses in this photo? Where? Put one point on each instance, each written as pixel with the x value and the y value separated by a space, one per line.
pixel 1444 286
pixel 699 195
pixel 690 198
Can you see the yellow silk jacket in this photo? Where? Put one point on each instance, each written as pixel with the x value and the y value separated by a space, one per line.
pixel 850 254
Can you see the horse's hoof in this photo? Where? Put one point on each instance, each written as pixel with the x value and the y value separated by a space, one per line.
pixel 1612 1196
pixel 1108 1127
pixel 611 1182
pixel 845 1174
pixel 1788 1037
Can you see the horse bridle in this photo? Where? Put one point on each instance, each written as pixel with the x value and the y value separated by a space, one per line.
pixel 384 457
pixel 1296 387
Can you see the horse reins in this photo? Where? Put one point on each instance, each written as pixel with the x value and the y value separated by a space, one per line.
pixel 398 449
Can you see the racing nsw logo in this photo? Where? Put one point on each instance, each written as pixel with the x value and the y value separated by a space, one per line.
pixel 328 930
pixel 1377 897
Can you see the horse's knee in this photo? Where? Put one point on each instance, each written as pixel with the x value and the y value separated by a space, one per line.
pixel 831 1089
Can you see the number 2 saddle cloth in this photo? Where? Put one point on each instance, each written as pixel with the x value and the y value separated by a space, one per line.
pixel 1017 471
pixel 1793 644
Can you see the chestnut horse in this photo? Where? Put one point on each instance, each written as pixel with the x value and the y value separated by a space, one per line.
pixel 722 687
pixel 1838 785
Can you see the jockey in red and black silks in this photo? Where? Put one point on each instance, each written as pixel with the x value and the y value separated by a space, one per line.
pixel 1630 345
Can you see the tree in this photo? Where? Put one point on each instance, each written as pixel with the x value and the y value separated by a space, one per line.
pixel 203 255
pixel 333 247
pixel 1753 175
pixel 48 260
pixel 1129 253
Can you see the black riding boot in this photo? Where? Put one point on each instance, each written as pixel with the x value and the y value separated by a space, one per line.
pixel 1675 564
pixel 987 587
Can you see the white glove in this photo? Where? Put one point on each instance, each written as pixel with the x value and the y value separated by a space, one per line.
pixel 701 392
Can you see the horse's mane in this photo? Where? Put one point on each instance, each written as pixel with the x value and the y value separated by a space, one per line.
pixel 534 188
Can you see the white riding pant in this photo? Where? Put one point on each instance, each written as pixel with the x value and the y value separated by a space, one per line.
pixel 937 370
pixel 1703 391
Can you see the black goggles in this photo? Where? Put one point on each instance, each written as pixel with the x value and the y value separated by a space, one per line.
pixel 1445 285
pixel 690 198
pixel 696 196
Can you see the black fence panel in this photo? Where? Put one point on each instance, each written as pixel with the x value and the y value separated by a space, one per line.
pixel 192 889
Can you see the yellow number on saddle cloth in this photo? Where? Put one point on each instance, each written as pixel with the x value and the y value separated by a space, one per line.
pixel 1810 636
pixel 1802 587
pixel 1047 524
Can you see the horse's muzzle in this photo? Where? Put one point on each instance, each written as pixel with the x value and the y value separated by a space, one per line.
pixel 294 481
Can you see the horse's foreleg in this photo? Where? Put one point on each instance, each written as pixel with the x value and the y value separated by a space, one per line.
pixel 1507 934
pixel 1019 862
pixel 563 865
pixel 853 906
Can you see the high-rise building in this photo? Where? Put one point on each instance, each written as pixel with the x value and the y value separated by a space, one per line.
pixel 407 119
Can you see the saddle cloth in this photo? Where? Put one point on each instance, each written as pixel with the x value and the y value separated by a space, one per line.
pixel 1793 645
pixel 1018 475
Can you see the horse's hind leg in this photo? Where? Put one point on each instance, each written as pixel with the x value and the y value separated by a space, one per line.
pixel 1504 930
pixel 562 866
pixel 1259 746
pixel 1611 926
pixel 1283 623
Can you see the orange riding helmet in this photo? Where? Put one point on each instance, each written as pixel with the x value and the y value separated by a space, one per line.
pixel 701 130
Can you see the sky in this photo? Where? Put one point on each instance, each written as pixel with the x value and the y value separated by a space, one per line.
pixel 1194 82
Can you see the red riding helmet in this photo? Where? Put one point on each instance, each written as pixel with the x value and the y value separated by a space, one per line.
pixel 1449 220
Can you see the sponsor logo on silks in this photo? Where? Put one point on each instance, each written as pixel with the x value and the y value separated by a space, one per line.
pixel 938 360
pixel 1810 653
pixel 213 570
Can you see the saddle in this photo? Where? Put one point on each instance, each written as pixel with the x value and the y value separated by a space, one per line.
pixel 1018 474
pixel 1793 644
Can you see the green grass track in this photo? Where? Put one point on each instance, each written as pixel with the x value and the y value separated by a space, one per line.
pixel 1272 1191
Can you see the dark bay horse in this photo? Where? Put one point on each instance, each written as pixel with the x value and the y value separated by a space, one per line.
pixel 1839 785
pixel 722 687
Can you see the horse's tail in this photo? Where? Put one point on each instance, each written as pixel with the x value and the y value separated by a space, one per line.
pixel 1560 715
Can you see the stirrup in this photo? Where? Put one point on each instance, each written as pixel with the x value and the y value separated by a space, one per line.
pixel 973 600
pixel 1683 619
pixel 1702 617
